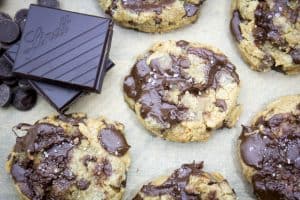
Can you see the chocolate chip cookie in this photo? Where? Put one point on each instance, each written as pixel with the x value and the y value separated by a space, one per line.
pixel 182 91
pixel 70 157
pixel 152 15
pixel 269 150
pixel 268 34
pixel 188 182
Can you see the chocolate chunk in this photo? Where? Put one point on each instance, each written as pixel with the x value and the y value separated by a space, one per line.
pixel 113 141
pixel 5 69
pixel 73 52
pixel 48 3
pixel 265 29
pixel 50 177
pixel 21 15
pixel 272 148
pixel 9 31
pixel 146 5
pixel 295 56
pixel 83 184
pixel 24 99
pixel 60 98
pixel 175 185
pixel 268 62
pixel 4 16
pixel 5 95
pixel 103 168
pixel 221 103
pixel 182 43
pixel 191 9
pixel 235 25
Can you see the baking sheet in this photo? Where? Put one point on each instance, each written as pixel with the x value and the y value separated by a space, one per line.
pixel 152 156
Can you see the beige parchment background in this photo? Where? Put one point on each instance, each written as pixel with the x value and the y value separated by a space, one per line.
pixel 151 156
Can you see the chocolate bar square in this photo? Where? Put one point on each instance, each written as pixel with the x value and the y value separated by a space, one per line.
pixel 59 97
pixel 64 48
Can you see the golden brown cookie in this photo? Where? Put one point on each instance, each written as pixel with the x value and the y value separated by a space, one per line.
pixel 182 91
pixel 269 150
pixel 268 33
pixel 188 182
pixel 152 15
pixel 71 158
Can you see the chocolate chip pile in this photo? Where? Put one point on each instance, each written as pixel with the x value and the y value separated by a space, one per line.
pixel 15 91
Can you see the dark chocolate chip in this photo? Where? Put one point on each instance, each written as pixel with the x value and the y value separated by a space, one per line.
pixel 295 55
pixel 10 31
pixel 5 69
pixel 267 61
pixel 235 25
pixel 24 99
pixel 21 15
pixel 113 141
pixel 48 3
pixel 5 95
pixel 83 184
pixel 4 16
pixel 221 103
pixel 191 9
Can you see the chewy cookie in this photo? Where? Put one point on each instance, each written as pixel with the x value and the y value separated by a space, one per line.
pixel 152 15
pixel 188 182
pixel 181 91
pixel 70 157
pixel 269 150
pixel 268 34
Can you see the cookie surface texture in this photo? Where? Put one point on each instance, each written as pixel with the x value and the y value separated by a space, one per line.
pixel 70 157
pixel 268 34
pixel 152 15
pixel 182 91
pixel 269 150
pixel 188 182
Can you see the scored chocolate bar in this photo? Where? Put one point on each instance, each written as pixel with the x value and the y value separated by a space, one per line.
pixel 59 97
pixel 64 48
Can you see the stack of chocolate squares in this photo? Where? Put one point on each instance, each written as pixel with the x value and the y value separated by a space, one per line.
pixel 62 55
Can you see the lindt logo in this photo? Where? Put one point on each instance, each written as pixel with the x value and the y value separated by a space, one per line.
pixel 38 37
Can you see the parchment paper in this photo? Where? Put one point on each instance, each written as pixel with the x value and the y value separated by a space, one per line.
pixel 152 156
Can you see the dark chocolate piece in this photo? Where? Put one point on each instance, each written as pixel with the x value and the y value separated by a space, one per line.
pixel 272 147
pixel 62 47
pixel 191 9
pixel 113 141
pixel 175 185
pixel 4 16
pixel 5 95
pixel 5 69
pixel 59 97
pixel 146 83
pixel 21 15
pixel 221 103
pixel 50 177
pixel 296 55
pixel 24 99
pixel 48 3
pixel 265 29
pixel 9 31
pixel 235 25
